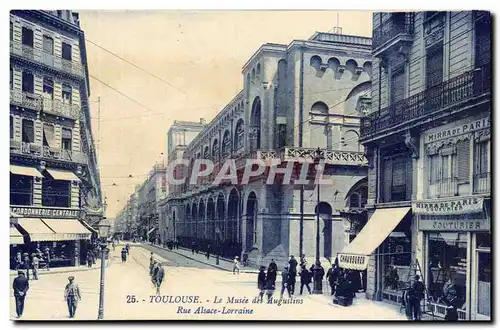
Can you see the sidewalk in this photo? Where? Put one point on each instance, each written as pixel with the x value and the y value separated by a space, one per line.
pixel 59 270
pixel 224 264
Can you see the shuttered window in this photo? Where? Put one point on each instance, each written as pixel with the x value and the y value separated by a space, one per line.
pixel 434 66
pixel 483 40
pixel 387 180
pixel 66 139
pixel 28 131
pixel 463 160
pixel 482 157
pixel 433 168
pixel 398 80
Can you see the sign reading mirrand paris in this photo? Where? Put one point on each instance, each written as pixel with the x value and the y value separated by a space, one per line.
pixel 237 165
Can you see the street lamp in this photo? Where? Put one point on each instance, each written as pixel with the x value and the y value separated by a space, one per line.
pixel 103 228
pixel 317 289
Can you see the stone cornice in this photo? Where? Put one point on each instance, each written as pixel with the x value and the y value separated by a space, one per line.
pixel 278 49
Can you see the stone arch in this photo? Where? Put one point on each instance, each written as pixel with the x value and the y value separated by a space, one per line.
pixel 215 149
pixel 324 210
pixel 333 63
pixel 194 220
pixel 233 204
pixel 220 216
pixel 367 67
pixel 201 225
pixel 351 65
pixel 316 62
pixel 350 141
pixel 239 135
pixel 210 218
pixel 257 71
pixel 253 74
pixel 320 107
pixel 206 152
pixel 255 125
pixel 252 209
pixel 226 143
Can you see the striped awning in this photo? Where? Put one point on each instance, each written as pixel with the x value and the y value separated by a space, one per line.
pixel 15 236
pixel 25 170
pixel 62 175
pixel 36 229
pixel 67 229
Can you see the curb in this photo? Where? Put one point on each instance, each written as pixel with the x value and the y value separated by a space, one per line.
pixel 206 263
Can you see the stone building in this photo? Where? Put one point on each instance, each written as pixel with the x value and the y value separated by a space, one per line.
pixel 427 139
pixel 55 190
pixel 298 97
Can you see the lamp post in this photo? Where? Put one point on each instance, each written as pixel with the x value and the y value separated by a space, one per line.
pixel 317 289
pixel 103 227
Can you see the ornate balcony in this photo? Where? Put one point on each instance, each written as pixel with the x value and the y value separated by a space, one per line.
pixel 333 157
pixel 34 150
pixel 26 100
pixel 393 33
pixel 468 88
pixel 58 63
pixel 58 108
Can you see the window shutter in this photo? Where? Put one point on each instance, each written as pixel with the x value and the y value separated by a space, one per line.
pixel 434 66
pixel 387 180
pixel 463 160
pixel 398 86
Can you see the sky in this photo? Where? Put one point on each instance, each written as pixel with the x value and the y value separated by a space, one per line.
pixel 198 57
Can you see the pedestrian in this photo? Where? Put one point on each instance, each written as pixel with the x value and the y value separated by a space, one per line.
pixel 124 255
pixel 89 259
pixel 114 245
pixel 272 272
pixel 72 296
pixel 292 273
pixel 284 282
pixel 208 252
pixel 261 283
pixel 415 296
pixel 128 249
pixel 245 259
pixel 47 258
pixel 26 265
pixel 451 297
pixel 303 261
pixel 333 276
pixel 20 285
pixel 18 260
pixel 305 279
pixel 151 264
pixel 236 265
pixel 158 276
pixel 270 285
pixel 35 262
pixel 318 272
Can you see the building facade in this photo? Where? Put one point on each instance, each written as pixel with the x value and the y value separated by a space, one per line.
pixel 55 190
pixel 427 139
pixel 297 98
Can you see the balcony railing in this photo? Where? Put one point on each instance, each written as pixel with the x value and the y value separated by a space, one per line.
pixel 444 188
pixel 58 108
pixel 454 91
pixel 31 149
pixel 335 157
pixel 482 183
pixel 397 24
pixel 26 100
pixel 42 57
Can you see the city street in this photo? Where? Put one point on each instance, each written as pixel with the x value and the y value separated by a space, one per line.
pixel 129 293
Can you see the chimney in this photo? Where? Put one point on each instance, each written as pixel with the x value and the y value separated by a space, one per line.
pixel 202 121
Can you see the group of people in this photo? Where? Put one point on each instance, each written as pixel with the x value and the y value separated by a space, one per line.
pixel 156 272
pixel 33 264
pixel 125 252
pixel 266 282
pixel 20 286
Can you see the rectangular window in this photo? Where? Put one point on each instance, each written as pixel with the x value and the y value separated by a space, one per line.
pixel 434 66
pixel 66 93
pixel 482 157
pixel 48 87
pixel 28 131
pixel 48 45
pixel 483 40
pixel 27 37
pixel 66 139
pixel 21 190
pixel 433 168
pixel 56 193
pixel 398 82
pixel 66 51
pixel 11 127
pixel 48 135
pixel 398 191
pixel 28 82
pixel 463 160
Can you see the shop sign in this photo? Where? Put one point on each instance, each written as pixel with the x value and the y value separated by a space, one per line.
pixel 454 225
pixel 351 261
pixel 43 212
pixel 458 130
pixel 455 206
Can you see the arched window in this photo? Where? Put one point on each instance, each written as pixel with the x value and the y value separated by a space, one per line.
pixel 253 74
pixel 206 153
pixel 257 72
pixel 333 63
pixel 319 107
pixel 215 149
pixel 226 143
pixel 255 125
pixel 316 62
pixel 239 135
pixel 351 65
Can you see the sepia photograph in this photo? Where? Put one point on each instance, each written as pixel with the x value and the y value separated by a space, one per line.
pixel 250 165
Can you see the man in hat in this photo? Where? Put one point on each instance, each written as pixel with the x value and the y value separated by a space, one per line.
pixel 72 296
pixel 20 286
pixel 26 265
pixel 35 262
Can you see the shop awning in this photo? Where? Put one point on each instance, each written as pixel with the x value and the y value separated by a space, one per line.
pixel 15 236
pixel 376 230
pixel 67 230
pixel 25 170
pixel 36 229
pixel 62 175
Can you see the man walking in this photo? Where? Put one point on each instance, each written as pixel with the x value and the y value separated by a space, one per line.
pixel 158 276
pixel 415 295
pixel 236 265
pixel 20 286
pixel 124 255
pixel 151 264
pixel 284 282
pixel 72 296
pixel 26 265
pixel 35 262
pixel 292 273
pixel 305 279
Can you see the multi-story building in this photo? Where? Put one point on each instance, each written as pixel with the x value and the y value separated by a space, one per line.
pixel 299 97
pixel 55 190
pixel 427 139
pixel 179 135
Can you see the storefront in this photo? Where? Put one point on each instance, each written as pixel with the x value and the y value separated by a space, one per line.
pixel 457 249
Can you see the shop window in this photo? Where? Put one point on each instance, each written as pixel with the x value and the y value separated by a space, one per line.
pixel 66 51
pixel 27 36
pixel 21 190
pixel 66 93
pixel 56 193
pixel 28 82
pixel 48 87
pixel 447 258
pixel 66 139
pixel 484 283
pixel 48 45
pixel 28 131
